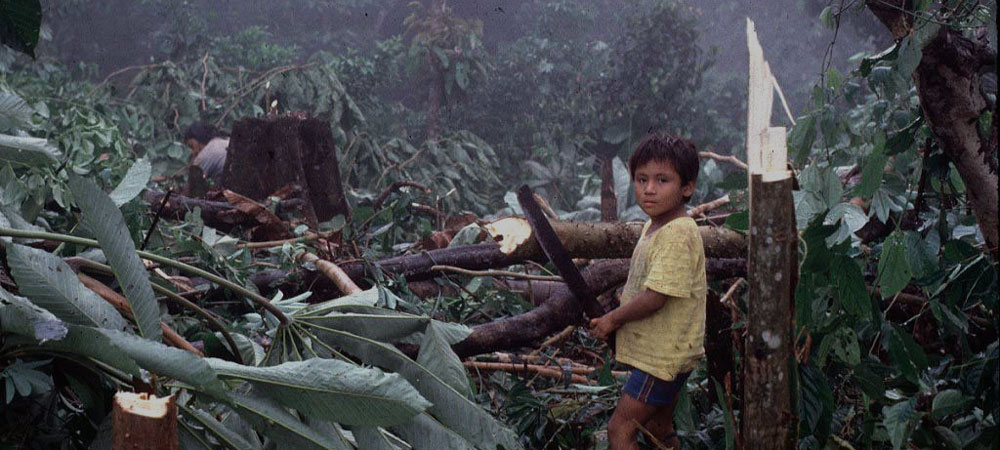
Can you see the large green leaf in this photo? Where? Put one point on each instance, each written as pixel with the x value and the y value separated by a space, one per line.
pixel 899 421
pixel 374 439
pixel 909 357
pixel 948 401
pixel 28 151
pixel 846 275
pixel 51 283
pixel 18 315
pixel 425 432
pixel 14 111
pixel 372 326
pixel 332 390
pixel 280 425
pixel 223 434
pixel 872 170
pixel 102 218
pixel 134 182
pixel 38 326
pixel 438 357
pixel 20 24
pixel 816 400
pixel 451 408
pixel 893 269
pixel 166 361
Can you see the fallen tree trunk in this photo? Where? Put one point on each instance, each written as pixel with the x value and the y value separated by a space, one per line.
pixel 602 240
pixel 222 216
pixel 558 312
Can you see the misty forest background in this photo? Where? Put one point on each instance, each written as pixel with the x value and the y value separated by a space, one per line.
pixel 896 304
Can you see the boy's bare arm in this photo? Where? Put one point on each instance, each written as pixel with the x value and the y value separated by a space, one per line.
pixel 642 306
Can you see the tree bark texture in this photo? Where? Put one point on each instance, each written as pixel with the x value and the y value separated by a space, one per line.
pixel 948 81
pixel 222 216
pixel 144 422
pixel 266 154
pixel 617 240
pixel 768 419
pixel 556 313
pixel 609 201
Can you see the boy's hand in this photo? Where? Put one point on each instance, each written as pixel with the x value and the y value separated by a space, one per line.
pixel 603 326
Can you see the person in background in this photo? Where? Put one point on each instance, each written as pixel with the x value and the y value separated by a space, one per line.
pixel 208 149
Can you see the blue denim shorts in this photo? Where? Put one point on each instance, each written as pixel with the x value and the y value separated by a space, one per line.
pixel 654 391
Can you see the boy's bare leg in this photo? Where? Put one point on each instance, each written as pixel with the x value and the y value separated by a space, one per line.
pixel 624 424
pixel 661 426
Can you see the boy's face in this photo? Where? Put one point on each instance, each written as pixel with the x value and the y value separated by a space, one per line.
pixel 659 191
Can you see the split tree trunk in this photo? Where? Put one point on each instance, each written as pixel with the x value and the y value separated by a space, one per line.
pixel 768 419
pixel 144 422
pixel 266 154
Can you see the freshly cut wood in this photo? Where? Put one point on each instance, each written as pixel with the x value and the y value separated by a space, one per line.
pixel 601 240
pixel 576 374
pixel 268 153
pixel 141 421
pixel 332 271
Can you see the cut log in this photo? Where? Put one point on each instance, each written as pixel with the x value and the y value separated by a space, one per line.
pixel 601 240
pixel 222 216
pixel 268 153
pixel 144 422
pixel 558 312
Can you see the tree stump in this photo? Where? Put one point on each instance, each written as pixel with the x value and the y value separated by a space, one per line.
pixel 144 422
pixel 268 153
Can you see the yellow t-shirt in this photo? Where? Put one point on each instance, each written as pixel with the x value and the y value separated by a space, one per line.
pixel 670 261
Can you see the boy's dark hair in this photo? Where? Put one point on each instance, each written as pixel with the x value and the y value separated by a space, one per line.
pixel 679 152
pixel 202 132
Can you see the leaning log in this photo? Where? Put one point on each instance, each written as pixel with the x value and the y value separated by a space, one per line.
pixel 559 311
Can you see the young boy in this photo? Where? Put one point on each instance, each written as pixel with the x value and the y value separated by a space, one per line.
pixel 661 321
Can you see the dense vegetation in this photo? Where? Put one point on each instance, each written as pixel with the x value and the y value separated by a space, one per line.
pixel 896 305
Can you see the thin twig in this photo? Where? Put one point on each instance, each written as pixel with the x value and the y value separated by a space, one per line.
pixel 724 158
pixel 396 166
pixel 243 92
pixel 576 374
pixel 494 273
pixel 394 187
pixel 280 242
pixel 559 337
pixel 121 71
pixel 701 209
pixel 204 77
pixel 156 219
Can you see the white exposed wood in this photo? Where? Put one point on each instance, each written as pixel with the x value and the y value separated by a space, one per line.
pixel 761 98
pixel 767 151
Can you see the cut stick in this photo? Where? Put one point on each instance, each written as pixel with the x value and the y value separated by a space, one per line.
pixel 332 271
pixel 576 373
pixel 144 422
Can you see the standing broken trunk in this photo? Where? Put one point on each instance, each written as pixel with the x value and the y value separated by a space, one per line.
pixel 266 154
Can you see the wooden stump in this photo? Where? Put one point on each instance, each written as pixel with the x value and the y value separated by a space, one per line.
pixel 144 422
pixel 268 153
pixel 768 419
